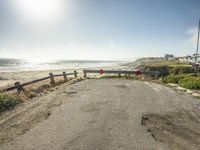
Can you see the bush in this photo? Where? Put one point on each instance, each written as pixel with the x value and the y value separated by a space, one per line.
pixel 172 78
pixel 190 83
pixel 161 70
pixel 185 80
pixel 181 69
pixel 8 101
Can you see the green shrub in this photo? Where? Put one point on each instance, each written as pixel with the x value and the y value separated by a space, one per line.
pixel 190 83
pixel 8 101
pixel 172 78
pixel 162 70
pixel 181 69
pixel 185 80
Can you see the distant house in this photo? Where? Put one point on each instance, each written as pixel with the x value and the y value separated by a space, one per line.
pixel 169 57
pixel 181 59
pixel 186 59
pixel 189 59
pixel 198 58
pixel 160 58
pixel 156 58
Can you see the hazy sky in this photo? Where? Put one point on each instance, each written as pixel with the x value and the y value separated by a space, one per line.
pixel 97 29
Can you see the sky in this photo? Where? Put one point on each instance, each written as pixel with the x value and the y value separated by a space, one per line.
pixel 97 29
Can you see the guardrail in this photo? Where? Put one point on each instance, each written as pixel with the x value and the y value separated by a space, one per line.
pixel 18 86
pixel 119 72
pixel 154 74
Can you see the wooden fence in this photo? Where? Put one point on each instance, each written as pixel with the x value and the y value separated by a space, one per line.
pixel 19 86
pixel 119 72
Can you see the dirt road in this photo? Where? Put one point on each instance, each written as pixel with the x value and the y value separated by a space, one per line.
pixel 115 114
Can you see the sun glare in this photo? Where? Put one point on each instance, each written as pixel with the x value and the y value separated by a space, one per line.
pixel 40 11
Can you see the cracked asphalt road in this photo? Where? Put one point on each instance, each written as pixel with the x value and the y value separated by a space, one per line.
pixel 102 114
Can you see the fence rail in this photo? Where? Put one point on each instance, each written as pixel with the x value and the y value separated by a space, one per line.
pixel 119 72
pixel 154 74
pixel 19 86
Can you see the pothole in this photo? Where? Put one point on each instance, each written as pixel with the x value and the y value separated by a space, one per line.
pixel 179 129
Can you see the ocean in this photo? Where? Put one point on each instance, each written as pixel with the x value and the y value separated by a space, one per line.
pixel 15 65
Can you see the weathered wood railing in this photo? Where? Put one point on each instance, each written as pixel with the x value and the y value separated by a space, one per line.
pixel 19 86
pixel 119 72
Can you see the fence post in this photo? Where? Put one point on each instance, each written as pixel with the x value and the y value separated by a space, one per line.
pixel 52 81
pixel 18 87
pixel 156 74
pixel 142 77
pixel 119 75
pixel 65 76
pixel 75 74
pixel 85 74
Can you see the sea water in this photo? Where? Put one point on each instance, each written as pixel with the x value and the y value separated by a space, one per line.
pixel 14 65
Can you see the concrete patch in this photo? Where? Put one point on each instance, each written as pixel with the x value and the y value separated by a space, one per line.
pixel 181 88
pixel 190 91
pixel 172 85
pixel 196 95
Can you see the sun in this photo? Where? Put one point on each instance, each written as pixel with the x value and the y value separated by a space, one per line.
pixel 39 11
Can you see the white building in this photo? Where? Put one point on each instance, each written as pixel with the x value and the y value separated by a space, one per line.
pixel 186 59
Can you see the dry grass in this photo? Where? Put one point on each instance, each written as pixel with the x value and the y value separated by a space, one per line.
pixel 40 88
pixel 9 100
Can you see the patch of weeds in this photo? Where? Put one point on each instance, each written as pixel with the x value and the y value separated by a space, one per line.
pixel 8 101
pixel 172 79
pixel 181 70
pixel 42 88
pixel 188 81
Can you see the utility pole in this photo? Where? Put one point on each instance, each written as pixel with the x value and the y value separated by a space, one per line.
pixel 197 50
